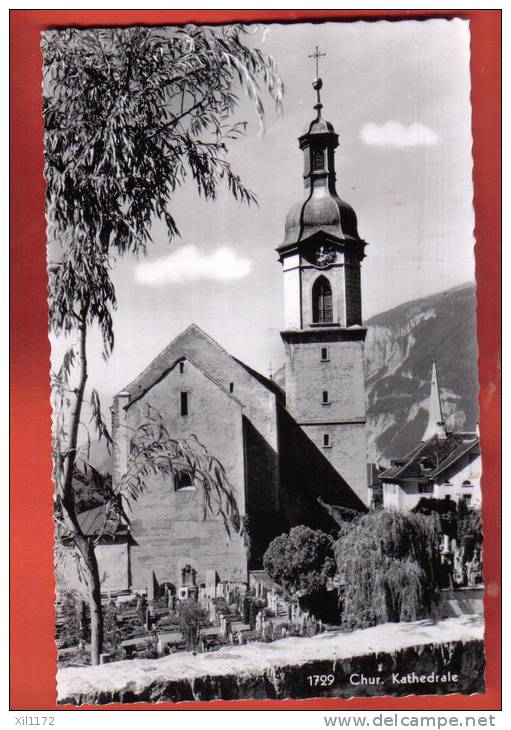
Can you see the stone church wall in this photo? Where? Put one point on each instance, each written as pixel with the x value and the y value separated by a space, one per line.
pixel 341 375
pixel 341 416
pixel 347 452
pixel 259 411
pixel 307 478
pixel 168 526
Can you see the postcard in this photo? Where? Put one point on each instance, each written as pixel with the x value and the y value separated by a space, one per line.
pixel 262 312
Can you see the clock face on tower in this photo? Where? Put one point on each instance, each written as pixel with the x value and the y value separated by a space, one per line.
pixel 323 255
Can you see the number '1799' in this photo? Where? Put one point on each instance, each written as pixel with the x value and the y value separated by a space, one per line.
pixel 320 680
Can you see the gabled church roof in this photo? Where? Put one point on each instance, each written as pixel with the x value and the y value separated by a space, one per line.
pixel 206 354
pixel 267 382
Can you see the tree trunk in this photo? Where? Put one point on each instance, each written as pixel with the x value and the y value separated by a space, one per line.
pixel 68 499
pixel 96 611
pixel 84 544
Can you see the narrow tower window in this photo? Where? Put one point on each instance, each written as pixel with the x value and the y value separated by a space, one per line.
pixel 318 160
pixel 184 403
pixel 324 354
pixel 231 387
pixel 181 367
pixel 322 311
pixel 326 439
pixel 325 397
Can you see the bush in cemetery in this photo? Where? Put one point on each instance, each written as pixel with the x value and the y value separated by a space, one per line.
pixel 192 618
pixel 389 567
pixel 246 609
pixel 469 533
pixel 301 561
pixel 71 630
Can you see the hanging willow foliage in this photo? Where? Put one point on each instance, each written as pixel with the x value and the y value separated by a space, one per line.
pixel 133 113
pixel 389 565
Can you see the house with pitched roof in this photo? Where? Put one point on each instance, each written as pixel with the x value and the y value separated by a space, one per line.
pixel 443 465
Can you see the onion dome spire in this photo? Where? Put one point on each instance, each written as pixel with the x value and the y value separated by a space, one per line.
pixel 321 209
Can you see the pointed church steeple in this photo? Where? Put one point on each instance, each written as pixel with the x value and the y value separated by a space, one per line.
pixel 436 423
pixel 321 258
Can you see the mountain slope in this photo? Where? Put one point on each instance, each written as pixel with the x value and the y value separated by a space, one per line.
pixel 400 346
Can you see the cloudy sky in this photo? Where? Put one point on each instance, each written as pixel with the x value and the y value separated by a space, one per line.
pixel 398 95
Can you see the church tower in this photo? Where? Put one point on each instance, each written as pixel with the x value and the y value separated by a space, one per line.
pixel 321 257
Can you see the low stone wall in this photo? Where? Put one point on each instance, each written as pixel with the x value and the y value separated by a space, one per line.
pixel 460 602
pixel 422 658
pixel 399 675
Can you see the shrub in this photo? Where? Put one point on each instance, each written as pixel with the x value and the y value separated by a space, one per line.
pixel 446 510
pixel 300 561
pixel 246 606
pixel 469 534
pixel 72 627
pixel 191 618
pixel 111 629
pixel 389 566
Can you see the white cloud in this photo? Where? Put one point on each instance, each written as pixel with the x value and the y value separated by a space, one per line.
pixel 189 263
pixel 395 134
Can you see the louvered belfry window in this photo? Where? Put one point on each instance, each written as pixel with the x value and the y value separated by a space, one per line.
pixel 322 309
pixel 318 160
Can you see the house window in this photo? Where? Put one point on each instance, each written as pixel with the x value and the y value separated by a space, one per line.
pixel 318 160
pixel 326 440
pixel 467 498
pixel 184 403
pixel 322 309
pixel 181 367
pixel 231 387
pixel 425 488
pixel 466 484
pixel 183 481
pixel 325 400
pixel 474 467
pixel 324 354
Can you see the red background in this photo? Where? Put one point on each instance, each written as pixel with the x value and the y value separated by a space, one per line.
pixel 33 653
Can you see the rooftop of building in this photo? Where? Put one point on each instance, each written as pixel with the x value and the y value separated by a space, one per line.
pixel 206 354
pixel 430 457
pixel 101 520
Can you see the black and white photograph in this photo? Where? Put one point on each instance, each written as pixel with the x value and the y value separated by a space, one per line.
pixel 262 317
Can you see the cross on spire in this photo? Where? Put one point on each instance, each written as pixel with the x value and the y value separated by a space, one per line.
pixel 317 55
pixel 317 83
